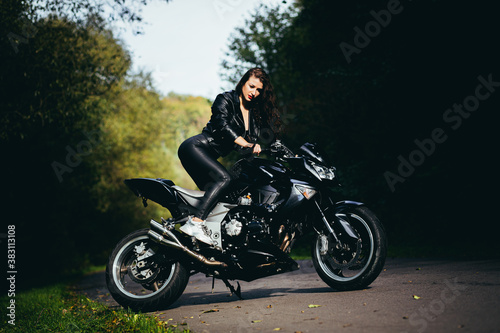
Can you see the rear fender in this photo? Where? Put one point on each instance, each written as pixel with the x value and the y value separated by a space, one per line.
pixel 157 190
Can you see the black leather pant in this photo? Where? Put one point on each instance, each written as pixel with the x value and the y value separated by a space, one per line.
pixel 200 161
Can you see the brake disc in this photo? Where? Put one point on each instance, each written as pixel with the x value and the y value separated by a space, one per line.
pixel 342 257
pixel 140 269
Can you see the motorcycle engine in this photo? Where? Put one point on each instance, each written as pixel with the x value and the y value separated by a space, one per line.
pixel 233 227
pixel 241 224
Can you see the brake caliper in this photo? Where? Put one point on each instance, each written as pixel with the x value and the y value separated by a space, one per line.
pixel 323 249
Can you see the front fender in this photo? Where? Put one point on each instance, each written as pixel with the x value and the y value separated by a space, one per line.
pixel 329 218
pixel 340 206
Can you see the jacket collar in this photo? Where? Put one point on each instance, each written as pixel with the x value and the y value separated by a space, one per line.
pixel 239 116
pixel 236 103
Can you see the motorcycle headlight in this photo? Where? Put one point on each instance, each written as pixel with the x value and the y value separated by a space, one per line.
pixel 324 172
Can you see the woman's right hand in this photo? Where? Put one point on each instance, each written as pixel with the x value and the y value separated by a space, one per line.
pixel 257 149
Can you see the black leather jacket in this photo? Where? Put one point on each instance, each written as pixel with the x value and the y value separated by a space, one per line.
pixel 226 124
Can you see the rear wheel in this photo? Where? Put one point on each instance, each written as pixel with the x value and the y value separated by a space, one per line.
pixel 142 275
pixel 355 262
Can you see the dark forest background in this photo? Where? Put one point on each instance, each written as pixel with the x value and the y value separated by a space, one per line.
pixel 75 121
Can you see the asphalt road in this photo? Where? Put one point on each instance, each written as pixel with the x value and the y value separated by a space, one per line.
pixel 409 296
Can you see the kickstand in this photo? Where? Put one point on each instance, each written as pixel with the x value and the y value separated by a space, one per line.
pixel 237 292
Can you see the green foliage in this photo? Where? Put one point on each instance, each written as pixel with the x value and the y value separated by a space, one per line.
pixel 58 78
pixel 73 126
pixel 54 91
pixel 257 43
pixel 140 139
pixel 92 11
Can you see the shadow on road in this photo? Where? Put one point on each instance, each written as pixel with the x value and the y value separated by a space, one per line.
pixel 200 298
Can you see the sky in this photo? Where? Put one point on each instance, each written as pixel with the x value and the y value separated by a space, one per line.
pixel 184 42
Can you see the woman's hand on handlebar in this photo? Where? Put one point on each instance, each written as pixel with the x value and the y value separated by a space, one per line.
pixel 257 149
pixel 252 148
pixel 247 146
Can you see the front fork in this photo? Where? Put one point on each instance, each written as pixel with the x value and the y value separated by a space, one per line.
pixel 325 221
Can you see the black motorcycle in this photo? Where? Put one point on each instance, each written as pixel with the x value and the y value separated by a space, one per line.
pixel 253 227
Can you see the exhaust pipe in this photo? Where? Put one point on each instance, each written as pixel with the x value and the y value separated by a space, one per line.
pixel 158 227
pixel 173 242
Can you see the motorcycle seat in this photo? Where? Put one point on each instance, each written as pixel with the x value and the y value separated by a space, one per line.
pixel 192 197
pixel 191 193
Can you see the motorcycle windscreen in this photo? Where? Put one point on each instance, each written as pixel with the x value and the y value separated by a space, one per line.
pixel 157 190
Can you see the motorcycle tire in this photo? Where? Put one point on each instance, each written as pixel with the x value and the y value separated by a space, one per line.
pixel 142 275
pixel 358 264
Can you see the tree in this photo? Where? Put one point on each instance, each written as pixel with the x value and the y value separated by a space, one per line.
pixel 140 139
pixel 74 123
pixel 54 93
pixel 257 43
pixel 91 11
pixel 368 107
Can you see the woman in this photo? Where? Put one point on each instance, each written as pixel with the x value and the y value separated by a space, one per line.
pixel 238 116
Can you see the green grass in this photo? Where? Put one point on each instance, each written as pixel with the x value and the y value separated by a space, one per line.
pixel 301 253
pixel 58 309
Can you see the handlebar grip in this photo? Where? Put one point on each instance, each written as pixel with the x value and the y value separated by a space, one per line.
pixel 246 151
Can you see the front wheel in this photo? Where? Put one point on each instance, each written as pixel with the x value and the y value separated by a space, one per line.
pixel 142 275
pixel 354 262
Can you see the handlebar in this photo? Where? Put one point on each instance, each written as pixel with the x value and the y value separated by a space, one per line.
pixel 246 151
pixel 277 149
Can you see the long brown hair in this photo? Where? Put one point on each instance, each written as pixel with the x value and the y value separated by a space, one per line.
pixel 267 113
